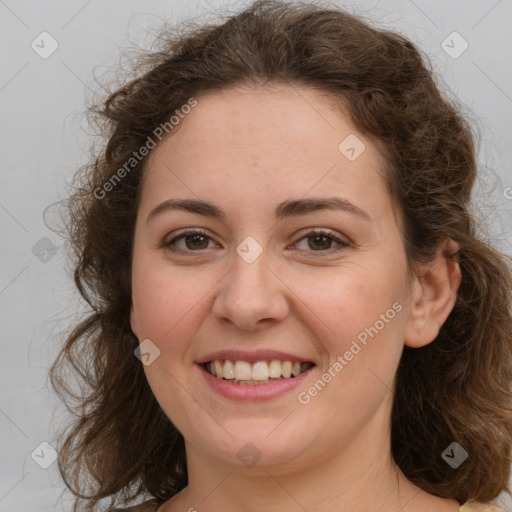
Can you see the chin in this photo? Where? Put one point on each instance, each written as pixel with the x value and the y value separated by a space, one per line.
pixel 265 445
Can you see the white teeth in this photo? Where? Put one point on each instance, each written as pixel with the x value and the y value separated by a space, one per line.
pixel 243 370
pixel 229 370
pixel 286 369
pixel 218 368
pixel 261 371
pixel 275 369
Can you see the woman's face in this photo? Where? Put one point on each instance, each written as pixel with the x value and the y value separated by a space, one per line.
pixel 270 277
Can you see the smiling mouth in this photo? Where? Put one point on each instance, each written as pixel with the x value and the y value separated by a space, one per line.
pixel 260 372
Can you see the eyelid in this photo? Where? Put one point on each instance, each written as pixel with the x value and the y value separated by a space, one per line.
pixel 306 233
pixel 312 231
pixel 181 233
pixel 333 235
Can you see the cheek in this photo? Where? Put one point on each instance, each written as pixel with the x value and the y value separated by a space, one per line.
pixel 363 326
pixel 354 298
pixel 164 302
pixel 166 305
pixel 364 350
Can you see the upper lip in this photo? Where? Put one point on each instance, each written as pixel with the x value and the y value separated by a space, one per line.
pixel 251 357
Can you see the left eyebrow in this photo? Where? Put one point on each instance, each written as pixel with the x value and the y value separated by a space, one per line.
pixel 304 206
pixel 292 208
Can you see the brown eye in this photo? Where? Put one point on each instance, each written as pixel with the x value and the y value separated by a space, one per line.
pixel 321 241
pixel 196 241
pixel 191 241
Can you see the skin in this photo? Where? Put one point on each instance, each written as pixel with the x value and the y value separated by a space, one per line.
pixel 247 149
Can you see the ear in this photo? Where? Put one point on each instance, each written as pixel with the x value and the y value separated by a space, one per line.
pixel 433 295
pixel 133 321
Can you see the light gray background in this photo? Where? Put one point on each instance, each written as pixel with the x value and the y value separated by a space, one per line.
pixel 44 139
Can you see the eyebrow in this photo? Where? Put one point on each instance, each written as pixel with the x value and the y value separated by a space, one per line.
pixel 291 208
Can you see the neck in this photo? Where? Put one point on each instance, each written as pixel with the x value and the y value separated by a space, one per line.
pixel 359 474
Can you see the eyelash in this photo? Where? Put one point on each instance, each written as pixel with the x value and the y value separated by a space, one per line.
pixel 309 234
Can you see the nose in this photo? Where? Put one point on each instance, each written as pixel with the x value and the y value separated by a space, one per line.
pixel 251 295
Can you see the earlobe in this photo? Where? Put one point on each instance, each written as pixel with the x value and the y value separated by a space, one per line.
pixel 433 295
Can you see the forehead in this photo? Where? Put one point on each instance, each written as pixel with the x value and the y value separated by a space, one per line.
pixel 265 144
pixel 262 118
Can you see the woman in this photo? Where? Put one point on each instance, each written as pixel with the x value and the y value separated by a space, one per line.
pixel 290 307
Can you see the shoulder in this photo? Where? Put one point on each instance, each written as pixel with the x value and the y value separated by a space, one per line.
pixel 147 506
pixel 473 506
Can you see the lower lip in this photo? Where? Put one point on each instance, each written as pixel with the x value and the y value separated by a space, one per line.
pixel 247 392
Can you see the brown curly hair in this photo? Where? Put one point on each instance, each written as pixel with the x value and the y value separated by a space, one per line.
pixel 454 389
